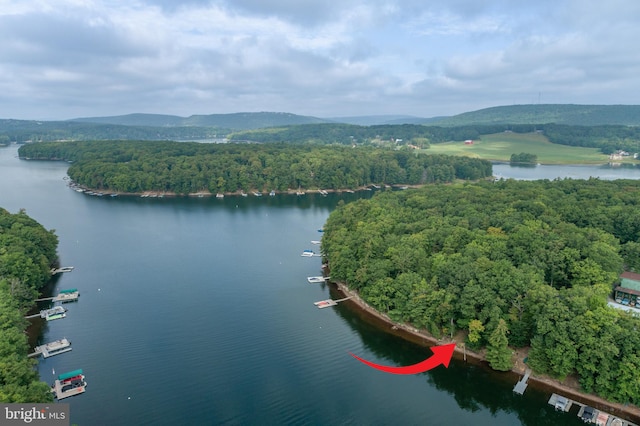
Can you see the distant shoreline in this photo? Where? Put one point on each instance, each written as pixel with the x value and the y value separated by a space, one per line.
pixel 407 332
pixel 201 194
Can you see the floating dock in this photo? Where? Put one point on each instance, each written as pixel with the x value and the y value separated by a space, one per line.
pixel 521 386
pixel 313 280
pixel 69 384
pixel 53 348
pixel 329 302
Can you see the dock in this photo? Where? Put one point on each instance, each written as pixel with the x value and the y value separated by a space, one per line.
pixel 70 295
pixel 561 403
pixel 318 279
pixel 53 348
pixel 69 384
pixel 329 302
pixel 49 314
pixel 587 414
pixel 61 270
pixel 522 384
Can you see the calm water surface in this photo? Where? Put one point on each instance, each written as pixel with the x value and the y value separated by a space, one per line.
pixel 197 311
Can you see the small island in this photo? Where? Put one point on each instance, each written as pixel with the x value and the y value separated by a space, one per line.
pixel 523 159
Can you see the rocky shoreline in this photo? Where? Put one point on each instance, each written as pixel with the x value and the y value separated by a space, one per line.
pixel 628 412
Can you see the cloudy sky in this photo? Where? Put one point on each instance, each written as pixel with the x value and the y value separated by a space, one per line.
pixel 61 59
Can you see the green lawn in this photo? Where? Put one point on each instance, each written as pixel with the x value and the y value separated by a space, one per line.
pixel 500 146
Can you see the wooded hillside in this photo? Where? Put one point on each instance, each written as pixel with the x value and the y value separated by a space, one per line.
pixel 183 168
pixel 508 263
pixel 27 252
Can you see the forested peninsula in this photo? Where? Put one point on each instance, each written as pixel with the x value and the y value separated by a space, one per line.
pixel 183 168
pixel 27 252
pixel 504 265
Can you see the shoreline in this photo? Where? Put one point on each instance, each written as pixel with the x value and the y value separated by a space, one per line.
pixel 546 384
pixel 202 194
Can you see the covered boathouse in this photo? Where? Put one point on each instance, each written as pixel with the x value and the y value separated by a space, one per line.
pixel 628 291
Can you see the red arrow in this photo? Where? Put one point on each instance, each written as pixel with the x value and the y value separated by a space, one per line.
pixel 441 355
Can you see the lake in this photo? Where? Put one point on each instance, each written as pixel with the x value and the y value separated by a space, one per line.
pixel 198 311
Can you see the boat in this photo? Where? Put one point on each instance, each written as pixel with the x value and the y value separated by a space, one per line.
pixel 323 192
pixel 56 310
pixel 53 348
pixel 69 295
pixel 316 242
pixel 300 192
pixel 219 195
pixel 313 280
pixel 272 193
pixel 325 303
pixel 257 194
pixel 55 317
pixel 308 253
pixel 60 270
pixel 244 194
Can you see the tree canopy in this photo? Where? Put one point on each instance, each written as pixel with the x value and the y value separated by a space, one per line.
pixel 510 262
pixel 27 252
pixel 182 168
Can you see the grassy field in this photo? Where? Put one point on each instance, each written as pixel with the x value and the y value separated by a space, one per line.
pixel 500 146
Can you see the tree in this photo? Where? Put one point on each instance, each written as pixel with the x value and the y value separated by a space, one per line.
pixel 498 351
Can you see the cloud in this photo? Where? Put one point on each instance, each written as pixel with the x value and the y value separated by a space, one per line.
pixel 89 57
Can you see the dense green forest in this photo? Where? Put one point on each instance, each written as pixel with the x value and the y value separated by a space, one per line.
pixel 509 264
pixel 27 252
pixel 524 158
pixel 184 168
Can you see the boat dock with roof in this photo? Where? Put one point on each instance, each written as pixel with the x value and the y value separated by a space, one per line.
pixel 69 384
pixel 586 413
pixel 52 348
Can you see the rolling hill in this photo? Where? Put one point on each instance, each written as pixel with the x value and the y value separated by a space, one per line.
pixel 236 121
pixel 575 115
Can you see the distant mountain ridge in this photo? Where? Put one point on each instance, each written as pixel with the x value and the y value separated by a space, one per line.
pixel 238 120
pixel 569 114
pixel 200 127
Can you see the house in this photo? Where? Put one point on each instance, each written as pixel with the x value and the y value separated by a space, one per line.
pixel 628 291
pixel 468 142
